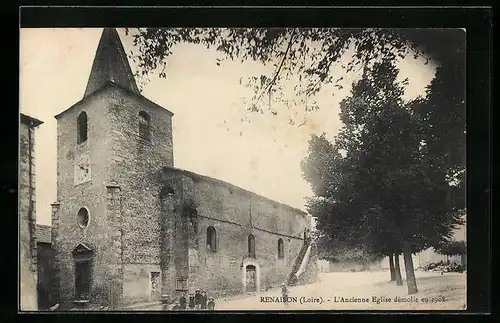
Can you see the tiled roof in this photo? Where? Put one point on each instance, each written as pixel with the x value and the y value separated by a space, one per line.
pixel 43 233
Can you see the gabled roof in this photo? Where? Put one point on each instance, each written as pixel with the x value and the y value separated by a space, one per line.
pixel 82 249
pixel 110 64
pixel 107 86
pixel 43 233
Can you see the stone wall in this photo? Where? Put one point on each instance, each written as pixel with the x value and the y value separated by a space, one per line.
pixel 135 166
pixel 235 213
pixel 90 194
pixel 27 219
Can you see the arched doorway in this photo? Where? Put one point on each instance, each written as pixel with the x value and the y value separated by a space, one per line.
pixel 250 276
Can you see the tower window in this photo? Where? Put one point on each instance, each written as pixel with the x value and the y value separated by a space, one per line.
pixel 144 126
pixel 281 249
pixel 211 239
pixel 251 246
pixel 81 128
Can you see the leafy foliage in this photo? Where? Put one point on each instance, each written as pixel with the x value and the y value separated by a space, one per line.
pixel 310 54
pixel 382 192
pixel 451 248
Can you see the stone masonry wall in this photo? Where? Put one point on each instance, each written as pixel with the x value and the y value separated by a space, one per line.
pixel 115 261
pixel 135 166
pixel 91 194
pixel 235 214
pixel 27 219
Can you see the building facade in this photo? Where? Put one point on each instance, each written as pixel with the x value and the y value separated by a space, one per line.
pixel 27 214
pixel 128 227
pixel 45 258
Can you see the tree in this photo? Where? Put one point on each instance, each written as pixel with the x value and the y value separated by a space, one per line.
pixel 384 193
pixel 311 54
pixel 452 248
pixel 339 235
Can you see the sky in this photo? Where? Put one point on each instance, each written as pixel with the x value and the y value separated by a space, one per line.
pixel 262 155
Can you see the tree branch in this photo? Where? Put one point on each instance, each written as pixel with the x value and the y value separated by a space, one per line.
pixel 279 67
pixel 282 61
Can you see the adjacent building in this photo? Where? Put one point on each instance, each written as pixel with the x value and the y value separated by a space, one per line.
pixel 45 257
pixel 27 214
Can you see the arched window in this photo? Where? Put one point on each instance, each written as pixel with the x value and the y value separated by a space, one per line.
pixel 281 249
pixel 251 246
pixel 81 128
pixel 211 239
pixel 144 126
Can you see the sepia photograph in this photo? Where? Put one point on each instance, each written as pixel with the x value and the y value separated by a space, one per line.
pixel 242 169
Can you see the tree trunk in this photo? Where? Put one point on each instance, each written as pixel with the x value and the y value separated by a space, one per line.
pixel 391 267
pixel 410 272
pixel 399 280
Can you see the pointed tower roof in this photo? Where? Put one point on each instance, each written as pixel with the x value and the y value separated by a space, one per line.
pixel 110 64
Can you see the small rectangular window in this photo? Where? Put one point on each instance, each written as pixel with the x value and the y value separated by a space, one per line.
pixel 82 128
pixel 144 126
pixel 181 284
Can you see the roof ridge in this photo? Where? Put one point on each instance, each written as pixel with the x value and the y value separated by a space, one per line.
pixel 222 182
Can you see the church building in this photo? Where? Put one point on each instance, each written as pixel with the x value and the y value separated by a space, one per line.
pixel 128 227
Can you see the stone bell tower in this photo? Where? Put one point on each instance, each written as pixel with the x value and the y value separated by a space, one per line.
pixel 111 146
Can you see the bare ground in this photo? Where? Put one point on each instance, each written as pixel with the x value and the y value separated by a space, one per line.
pixel 360 291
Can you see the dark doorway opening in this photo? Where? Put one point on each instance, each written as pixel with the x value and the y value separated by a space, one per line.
pixel 82 280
